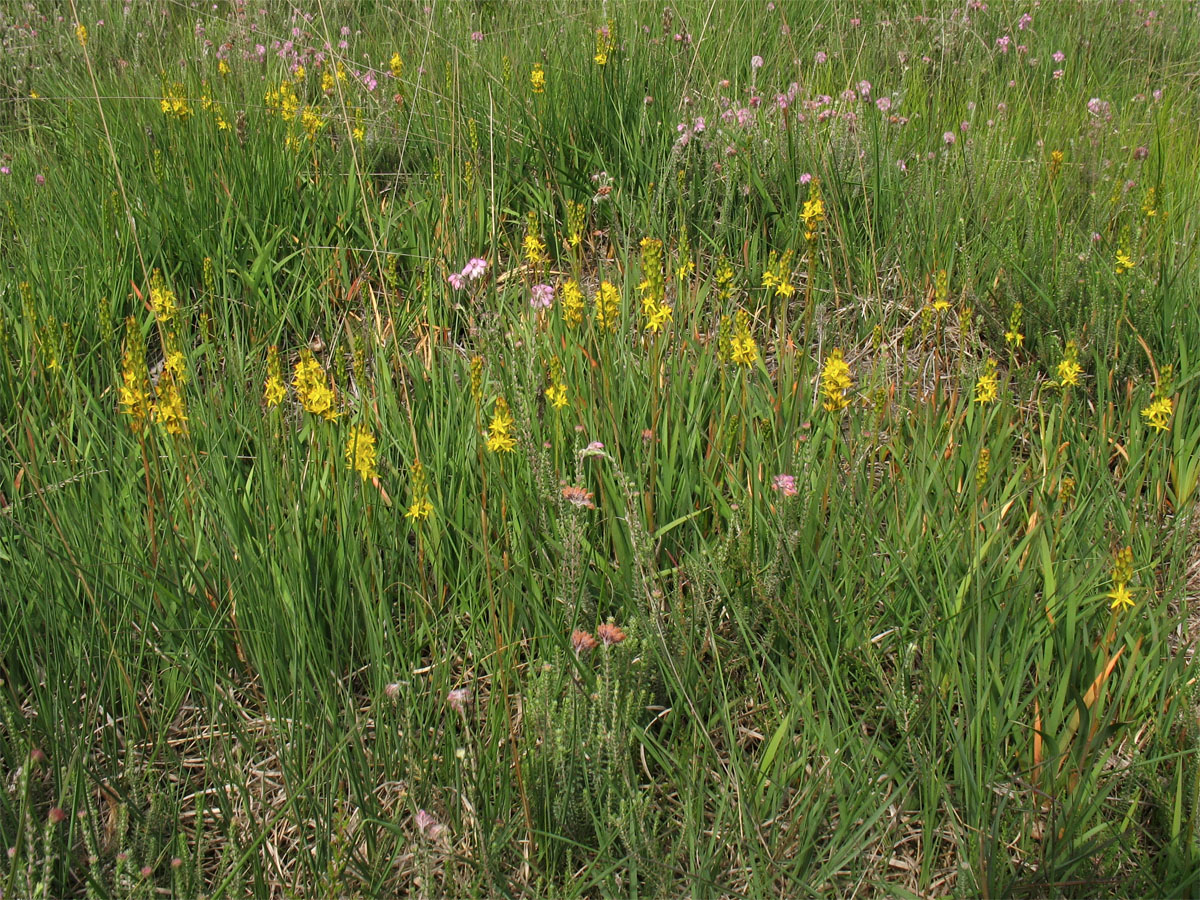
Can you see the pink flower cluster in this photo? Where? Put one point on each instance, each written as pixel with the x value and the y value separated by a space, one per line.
pixel 541 296
pixel 472 271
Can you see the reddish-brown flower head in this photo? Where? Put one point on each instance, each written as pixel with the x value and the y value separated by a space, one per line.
pixel 610 634
pixel 582 642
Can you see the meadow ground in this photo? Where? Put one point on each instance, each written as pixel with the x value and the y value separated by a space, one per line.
pixel 573 450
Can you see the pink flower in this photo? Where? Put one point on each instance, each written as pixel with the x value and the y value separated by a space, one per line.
pixel 5 170
pixel 756 62
pixel 541 296
pixel 429 826
pixel 820 57
pixel 477 36
pixel 805 177
pixel 40 178
pixel 474 268
pixel 1058 73
pixel 963 126
pixel 785 484
pixel 864 89
pixel 949 138
pixel 456 281
pixel 1025 21
pixel 458 699
pixel 884 104
pixel 1002 43
pixel 1058 56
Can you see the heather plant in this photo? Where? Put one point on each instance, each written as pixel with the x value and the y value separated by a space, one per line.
pixel 553 450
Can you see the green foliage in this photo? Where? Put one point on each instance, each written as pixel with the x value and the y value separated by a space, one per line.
pixel 882 451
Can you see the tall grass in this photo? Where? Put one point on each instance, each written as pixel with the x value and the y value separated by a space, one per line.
pixel 727 618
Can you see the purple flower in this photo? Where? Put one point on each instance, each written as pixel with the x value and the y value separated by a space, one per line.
pixel 541 296
pixel 785 484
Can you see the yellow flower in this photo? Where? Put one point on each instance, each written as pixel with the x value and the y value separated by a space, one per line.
pixel 1014 337
pixel 535 249
pixel 557 395
pixel 397 65
pixel 813 213
pixel 174 102
pixel 419 510
pixel 1158 414
pixel 572 303
pixel 500 439
pixel 360 452
pixel 313 388
pixel 537 79
pixel 1124 262
pixel 1069 369
pixel 835 382
pixel 1069 372
pixel 1121 598
pixel 311 122
pixel 606 42
pixel 987 388
pixel 743 350
pixel 1056 159
pixel 941 291
pixel 298 73
pixel 274 390
pixel 659 317
pixel 740 348
pixel 162 300
pixel 608 306
pixel 169 409
pixel 223 67
pixel 81 34
pixel 134 392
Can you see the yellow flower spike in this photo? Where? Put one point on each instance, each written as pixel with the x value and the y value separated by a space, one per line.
pixel 537 79
pixel 360 452
pixel 500 439
pixel 987 388
pixel 1158 414
pixel 572 303
pixel 836 382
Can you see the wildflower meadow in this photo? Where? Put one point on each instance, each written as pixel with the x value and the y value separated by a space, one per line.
pixel 570 449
